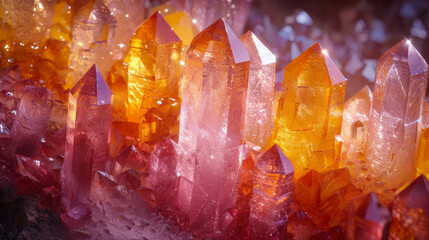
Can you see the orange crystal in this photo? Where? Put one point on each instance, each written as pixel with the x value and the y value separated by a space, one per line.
pixel 311 109
pixel 153 67
pixel 423 149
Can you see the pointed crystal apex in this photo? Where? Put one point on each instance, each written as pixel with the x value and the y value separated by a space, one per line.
pixel 257 50
pixel 156 29
pixel 132 158
pixel 369 208
pixel 416 194
pixel 275 161
pixel 95 11
pixel 220 31
pixel 93 84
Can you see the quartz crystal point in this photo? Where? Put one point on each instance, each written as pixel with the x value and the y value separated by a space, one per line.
pixel 310 110
pixel 153 67
pixel 129 14
pixel 211 126
pixel 258 125
pixel 393 132
pixel 93 31
pixel 355 127
pixel 130 158
pixel 89 123
pixel 272 189
pixel 410 211
pixel 29 19
pixel 34 110
pixel 367 218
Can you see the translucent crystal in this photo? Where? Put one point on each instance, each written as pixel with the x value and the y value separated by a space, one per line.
pixel 410 211
pixel 367 218
pixel 393 133
pixel 423 148
pixel 89 123
pixel 310 111
pixel 272 189
pixel 211 126
pixel 93 32
pixel 259 123
pixel 153 67
pixel 62 22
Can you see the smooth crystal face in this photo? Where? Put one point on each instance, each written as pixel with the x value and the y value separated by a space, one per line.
pixel 260 93
pixel 211 126
pixel 310 110
pixel 34 110
pixel 93 31
pixel 367 218
pixel 153 66
pixel 410 211
pixel 423 148
pixel 89 123
pixel 272 189
pixel 393 131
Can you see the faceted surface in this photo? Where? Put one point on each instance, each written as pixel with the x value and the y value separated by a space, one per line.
pixel 130 158
pixel 272 190
pixel 129 14
pixel 93 32
pixel 259 123
pixel 153 67
pixel 211 126
pixel 88 137
pixel 423 148
pixel 393 133
pixel 29 19
pixel 354 130
pixel 34 110
pixel 410 211
pixel 367 218
pixel 62 23
pixel 310 110
pixel 183 26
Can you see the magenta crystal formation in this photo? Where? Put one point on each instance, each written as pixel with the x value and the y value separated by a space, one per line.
pixel 367 218
pixel 89 124
pixel 211 126
pixel 259 123
pixel 34 110
pixel 393 131
pixel 272 190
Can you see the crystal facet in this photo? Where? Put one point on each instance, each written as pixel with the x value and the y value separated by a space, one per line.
pixel 258 125
pixel 393 131
pixel 310 111
pixel 211 126
pixel 272 190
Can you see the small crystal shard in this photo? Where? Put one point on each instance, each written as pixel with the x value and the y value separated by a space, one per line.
pixel 410 211
pixel 211 125
pixel 258 125
pixel 367 218
pixel 88 137
pixel 93 32
pixel 398 98
pixel 153 67
pixel 310 111
pixel 272 189
pixel 31 120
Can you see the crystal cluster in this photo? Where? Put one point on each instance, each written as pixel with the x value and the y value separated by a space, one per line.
pixel 177 126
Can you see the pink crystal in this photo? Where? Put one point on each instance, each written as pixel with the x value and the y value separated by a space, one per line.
pixel 130 158
pixel 393 133
pixel 31 120
pixel 88 137
pixel 272 189
pixel 211 125
pixel 259 123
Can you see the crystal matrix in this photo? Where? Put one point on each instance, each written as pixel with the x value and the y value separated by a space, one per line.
pixel 93 31
pixel 211 125
pixel 310 110
pixel 272 189
pixel 88 137
pixel 154 66
pixel 258 125
pixel 393 131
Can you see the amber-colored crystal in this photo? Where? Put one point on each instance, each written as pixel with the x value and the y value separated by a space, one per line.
pixel 423 148
pixel 410 211
pixel 310 111
pixel 367 218
pixel 393 131
pixel 153 67
pixel 63 22
pixel 117 80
